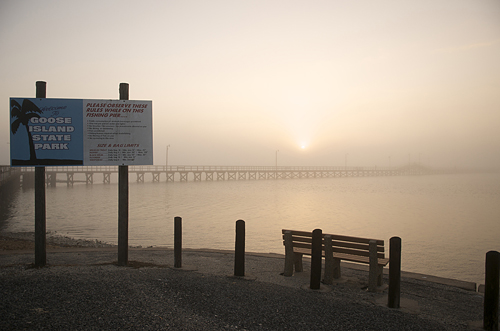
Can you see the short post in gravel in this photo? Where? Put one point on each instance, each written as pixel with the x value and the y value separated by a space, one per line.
pixel 40 204
pixel 373 275
pixel 491 291
pixel 289 260
pixel 239 250
pixel 177 242
pixel 394 291
pixel 316 256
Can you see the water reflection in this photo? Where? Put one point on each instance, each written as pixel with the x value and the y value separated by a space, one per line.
pixel 8 194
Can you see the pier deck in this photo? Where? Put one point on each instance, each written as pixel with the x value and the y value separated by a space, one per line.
pixel 86 174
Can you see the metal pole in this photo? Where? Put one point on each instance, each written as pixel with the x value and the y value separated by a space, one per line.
pixel 40 205
pixel 166 159
pixel 123 199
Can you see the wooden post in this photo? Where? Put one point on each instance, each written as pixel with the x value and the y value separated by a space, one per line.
pixel 40 205
pixel 329 267
pixel 372 275
pixel 177 242
pixel 316 256
pixel 491 288
pixel 239 251
pixel 394 291
pixel 123 199
pixel 289 259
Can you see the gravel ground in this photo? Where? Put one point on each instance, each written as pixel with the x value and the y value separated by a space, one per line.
pixel 109 297
pixel 83 289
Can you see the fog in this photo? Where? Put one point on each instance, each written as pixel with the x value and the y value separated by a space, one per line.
pixel 365 83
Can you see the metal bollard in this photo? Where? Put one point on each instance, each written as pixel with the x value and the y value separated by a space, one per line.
pixel 177 242
pixel 491 288
pixel 316 256
pixel 394 291
pixel 239 251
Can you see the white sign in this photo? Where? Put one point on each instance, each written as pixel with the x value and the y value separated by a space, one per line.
pixel 118 132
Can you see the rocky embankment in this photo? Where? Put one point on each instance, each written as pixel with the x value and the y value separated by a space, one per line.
pixel 26 241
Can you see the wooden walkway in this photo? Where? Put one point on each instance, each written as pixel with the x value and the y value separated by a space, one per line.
pixel 70 175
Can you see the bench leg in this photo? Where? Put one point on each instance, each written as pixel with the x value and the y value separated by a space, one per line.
pixel 336 269
pixel 289 262
pixel 298 262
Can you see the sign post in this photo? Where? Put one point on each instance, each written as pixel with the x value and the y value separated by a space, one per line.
pixel 76 132
pixel 123 199
pixel 40 206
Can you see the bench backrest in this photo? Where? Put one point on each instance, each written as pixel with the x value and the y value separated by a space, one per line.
pixel 341 244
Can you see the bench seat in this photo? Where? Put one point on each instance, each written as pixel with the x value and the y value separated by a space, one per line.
pixel 345 257
pixel 347 248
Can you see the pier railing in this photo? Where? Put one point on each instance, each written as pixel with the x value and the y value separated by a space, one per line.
pixel 183 173
pixel 197 168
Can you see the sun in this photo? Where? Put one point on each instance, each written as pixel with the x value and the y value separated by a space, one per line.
pixel 303 146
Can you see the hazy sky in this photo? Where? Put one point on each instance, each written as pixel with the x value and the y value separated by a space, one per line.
pixel 232 82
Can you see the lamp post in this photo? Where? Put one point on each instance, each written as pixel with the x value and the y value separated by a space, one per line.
pixel 276 166
pixel 346 161
pixel 166 159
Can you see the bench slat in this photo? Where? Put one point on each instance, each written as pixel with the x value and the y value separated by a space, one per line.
pixel 337 244
pixel 343 256
pixel 308 248
pixel 335 237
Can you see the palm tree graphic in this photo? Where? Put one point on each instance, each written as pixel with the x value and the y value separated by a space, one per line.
pixel 23 115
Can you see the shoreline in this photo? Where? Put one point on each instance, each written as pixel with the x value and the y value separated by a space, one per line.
pixel 21 242
pixel 25 240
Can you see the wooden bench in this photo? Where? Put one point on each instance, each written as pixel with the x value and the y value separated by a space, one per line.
pixel 335 248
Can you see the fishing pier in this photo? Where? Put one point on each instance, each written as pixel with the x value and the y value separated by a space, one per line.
pixel 88 174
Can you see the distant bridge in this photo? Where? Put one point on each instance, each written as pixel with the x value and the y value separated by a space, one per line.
pixel 84 174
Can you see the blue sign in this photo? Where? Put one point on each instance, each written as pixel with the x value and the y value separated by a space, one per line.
pixel 46 132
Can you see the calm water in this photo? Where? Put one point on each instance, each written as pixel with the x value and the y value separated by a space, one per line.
pixel 447 223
